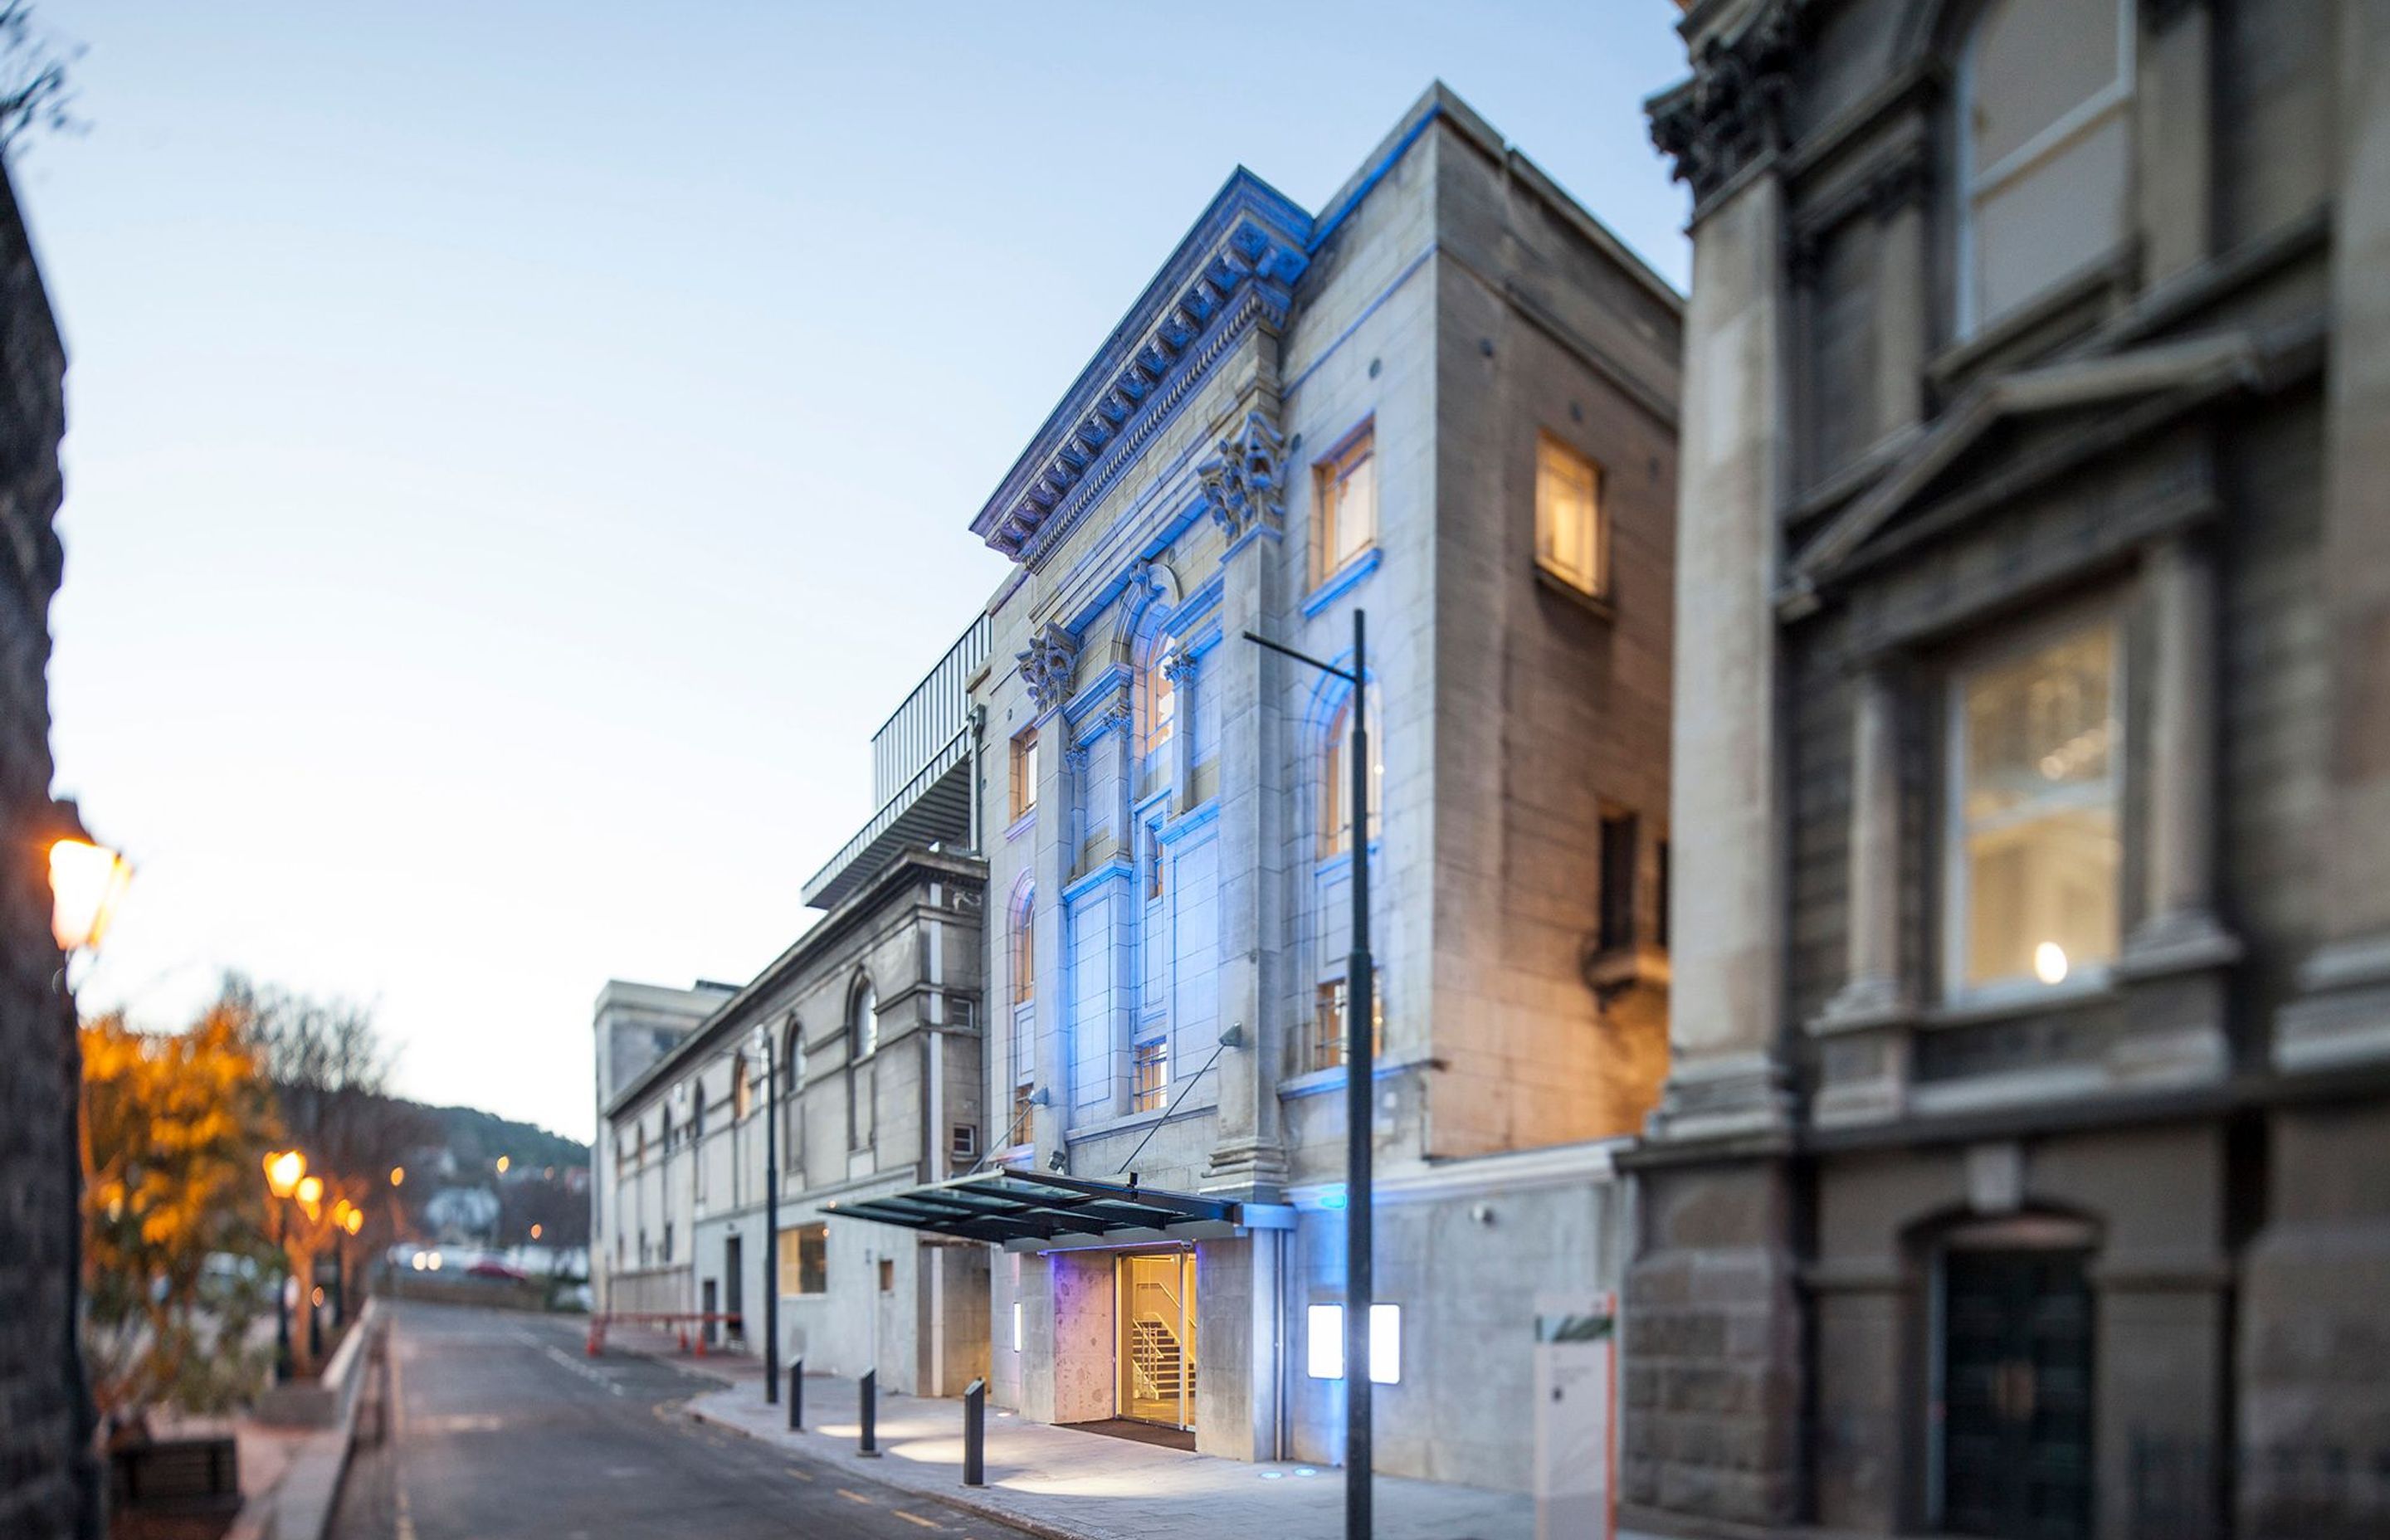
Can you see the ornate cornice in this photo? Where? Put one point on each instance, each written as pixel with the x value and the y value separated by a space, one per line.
pixel 1731 111
pixel 1237 268
pixel 1242 486
pixel 1046 665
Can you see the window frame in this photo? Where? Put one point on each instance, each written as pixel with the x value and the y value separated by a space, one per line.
pixel 818 1232
pixel 2089 977
pixel 1023 790
pixel 1150 1052
pixel 1592 578
pixel 1329 476
pixel 1970 189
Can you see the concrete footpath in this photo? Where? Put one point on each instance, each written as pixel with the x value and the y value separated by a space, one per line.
pixel 1066 1485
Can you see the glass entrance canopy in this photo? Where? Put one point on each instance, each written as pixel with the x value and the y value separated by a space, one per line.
pixel 1046 1212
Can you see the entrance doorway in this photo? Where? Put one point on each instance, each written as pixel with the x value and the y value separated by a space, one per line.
pixel 1156 1348
pixel 2015 1375
pixel 734 1286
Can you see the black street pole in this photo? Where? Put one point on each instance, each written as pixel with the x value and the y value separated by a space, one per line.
pixel 282 1365
pixel 1361 1057
pixel 1360 1064
pixel 771 1223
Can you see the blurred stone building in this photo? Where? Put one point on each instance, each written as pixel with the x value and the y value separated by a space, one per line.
pixel 47 1481
pixel 2022 1166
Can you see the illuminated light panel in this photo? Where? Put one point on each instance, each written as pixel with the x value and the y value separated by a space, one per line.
pixel 1324 1345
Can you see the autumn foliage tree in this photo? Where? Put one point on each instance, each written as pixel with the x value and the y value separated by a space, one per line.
pixel 173 1128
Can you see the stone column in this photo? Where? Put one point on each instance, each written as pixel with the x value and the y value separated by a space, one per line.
pixel 1051 862
pixel 1712 1431
pixel 2180 928
pixel 1726 801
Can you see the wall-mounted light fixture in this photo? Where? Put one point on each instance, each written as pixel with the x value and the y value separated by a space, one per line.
pixel 1324 1343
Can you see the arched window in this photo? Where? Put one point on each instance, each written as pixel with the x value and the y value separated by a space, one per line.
pixel 793 1058
pixel 1157 691
pixel 1336 776
pixel 742 1096
pixel 696 1110
pixel 1024 920
pixel 665 1138
pixel 2044 149
pixel 863 1018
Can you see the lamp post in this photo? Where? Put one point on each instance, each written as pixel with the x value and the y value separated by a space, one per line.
pixel 285 1169
pixel 1360 1056
pixel 771 1219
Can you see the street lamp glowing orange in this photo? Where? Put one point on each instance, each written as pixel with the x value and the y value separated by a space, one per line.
pixel 86 880
pixel 535 1232
pixel 503 1163
pixel 310 1190
pixel 284 1171
pixel 398 1177
pixel 355 1221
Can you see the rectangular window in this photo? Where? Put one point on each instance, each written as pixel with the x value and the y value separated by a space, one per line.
pixel 1151 1066
pixel 2035 858
pixel 887 1274
pixel 1618 853
pixel 805 1260
pixel 1568 515
pixel 964 1145
pixel 1025 774
pixel 1346 523
pixel 1328 1024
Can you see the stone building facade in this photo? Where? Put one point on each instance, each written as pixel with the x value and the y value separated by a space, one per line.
pixel 48 1478
pixel 1448 400
pixel 2019 1168
pixel 863 1040
pixel 635 1026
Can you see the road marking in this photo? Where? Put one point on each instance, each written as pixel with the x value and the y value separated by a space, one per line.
pixel 854 1496
pixel 798 1471
pixel 916 1519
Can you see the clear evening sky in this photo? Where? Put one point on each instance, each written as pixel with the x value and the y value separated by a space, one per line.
pixel 516 453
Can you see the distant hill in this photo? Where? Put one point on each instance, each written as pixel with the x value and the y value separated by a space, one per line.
pixel 478 1138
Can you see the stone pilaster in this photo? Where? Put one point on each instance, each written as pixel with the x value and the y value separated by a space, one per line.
pixel 2180 928
pixel 1726 802
pixel 1901 296
pixel 1867 1070
pixel 1056 838
pixel 1242 487
pixel 2175 107
pixel 2343 1017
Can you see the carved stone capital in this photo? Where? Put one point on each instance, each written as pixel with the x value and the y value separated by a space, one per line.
pixel 1179 667
pixel 1242 485
pixel 1046 665
pixel 1731 111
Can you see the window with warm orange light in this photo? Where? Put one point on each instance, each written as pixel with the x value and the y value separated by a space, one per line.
pixel 1568 516
pixel 1344 521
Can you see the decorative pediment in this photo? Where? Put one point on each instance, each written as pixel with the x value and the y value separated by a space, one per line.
pixel 1046 665
pixel 1236 268
pixel 1241 483
pixel 2019 432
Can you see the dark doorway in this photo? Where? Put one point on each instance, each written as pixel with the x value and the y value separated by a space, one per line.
pixel 734 1291
pixel 2016 1388
pixel 708 1325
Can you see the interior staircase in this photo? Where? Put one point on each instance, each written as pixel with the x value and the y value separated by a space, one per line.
pixel 1155 1359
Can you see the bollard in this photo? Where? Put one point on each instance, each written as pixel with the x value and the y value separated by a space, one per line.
pixel 797 1395
pixel 868 1390
pixel 975 1433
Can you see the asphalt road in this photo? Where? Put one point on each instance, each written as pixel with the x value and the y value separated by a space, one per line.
pixel 502 1428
